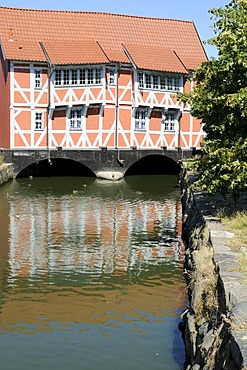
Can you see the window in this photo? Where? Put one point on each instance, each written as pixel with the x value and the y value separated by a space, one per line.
pixel 90 79
pixel 97 76
pixel 176 83
pixel 159 81
pixel 82 76
pixel 140 119
pixel 66 77
pixel 148 81
pixel 169 83
pixel 155 81
pixel 163 84
pixel 74 76
pixel 76 119
pixel 38 78
pixel 141 80
pixel 38 120
pixel 58 77
pixel 112 76
pixel 168 119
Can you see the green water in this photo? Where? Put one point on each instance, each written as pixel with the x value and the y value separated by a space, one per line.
pixel 91 274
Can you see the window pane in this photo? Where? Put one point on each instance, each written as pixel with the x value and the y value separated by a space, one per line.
pixel 112 76
pixel 155 82
pixel 80 76
pixel 90 76
pixel 38 120
pixel 163 82
pixel 147 81
pixel 83 76
pixel 98 75
pixel 141 80
pixel 76 119
pixel 140 119
pixel 74 76
pixel 58 77
pixel 169 83
pixel 176 83
pixel 37 78
pixel 66 77
pixel 169 121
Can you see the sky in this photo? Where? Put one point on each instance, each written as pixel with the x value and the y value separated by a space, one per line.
pixel 191 10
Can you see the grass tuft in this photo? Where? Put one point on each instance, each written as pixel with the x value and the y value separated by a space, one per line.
pixel 237 223
pixel 205 281
pixel 1 159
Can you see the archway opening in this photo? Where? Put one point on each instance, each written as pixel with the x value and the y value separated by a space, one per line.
pixel 56 167
pixel 154 164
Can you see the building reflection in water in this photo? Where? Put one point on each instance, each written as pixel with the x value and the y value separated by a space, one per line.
pixel 81 250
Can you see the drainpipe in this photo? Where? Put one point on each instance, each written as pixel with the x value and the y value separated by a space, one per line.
pixel 51 70
pixel 179 133
pixel 120 161
pixel 179 129
pixel 116 109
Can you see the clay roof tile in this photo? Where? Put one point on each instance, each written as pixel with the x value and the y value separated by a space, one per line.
pixel 110 30
pixel 155 58
pixel 62 52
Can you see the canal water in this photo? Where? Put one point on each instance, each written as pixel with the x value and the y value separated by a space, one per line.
pixel 91 274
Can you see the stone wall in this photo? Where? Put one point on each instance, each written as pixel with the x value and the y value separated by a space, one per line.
pixel 6 173
pixel 207 326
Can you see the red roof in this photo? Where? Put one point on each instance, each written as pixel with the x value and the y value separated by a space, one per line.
pixel 23 50
pixel 69 28
pixel 155 58
pixel 67 52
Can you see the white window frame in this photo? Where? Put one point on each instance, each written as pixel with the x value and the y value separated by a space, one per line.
pixel 159 81
pixel 65 77
pixel 38 120
pixel 58 77
pixel 37 78
pixel 76 119
pixel 82 76
pixel 112 76
pixel 147 81
pixel 141 115
pixel 169 119
pixel 78 76
pixel 74 77
pixel 90 76
pixel 98 76
pixel 155 81
pixel 141 80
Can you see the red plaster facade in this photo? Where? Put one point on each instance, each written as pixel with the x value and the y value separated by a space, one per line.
pixel 118 96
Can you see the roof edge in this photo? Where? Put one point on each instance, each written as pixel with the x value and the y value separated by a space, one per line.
pixel 200 40
pixel 2 50
pixel 180 60
pixel 95 12
pixel 129 56
pixel 45 53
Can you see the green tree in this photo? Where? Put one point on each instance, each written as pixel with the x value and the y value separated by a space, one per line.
pixel 220 100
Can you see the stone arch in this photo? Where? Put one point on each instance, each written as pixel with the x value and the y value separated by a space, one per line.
pixel 53 167
pixel 154 164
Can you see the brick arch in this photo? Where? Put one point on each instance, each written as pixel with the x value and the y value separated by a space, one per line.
pixel 101 159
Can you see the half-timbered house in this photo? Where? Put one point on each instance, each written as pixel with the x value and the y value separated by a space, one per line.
pixel 86 80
